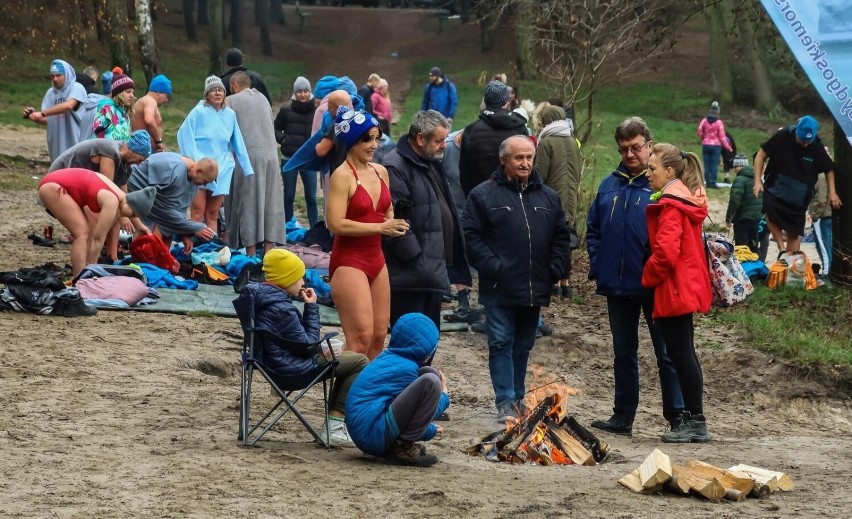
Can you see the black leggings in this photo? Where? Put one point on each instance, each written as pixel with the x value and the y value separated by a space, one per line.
pixel 678 335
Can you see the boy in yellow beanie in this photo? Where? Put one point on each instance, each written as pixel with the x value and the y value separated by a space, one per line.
pixel 274 311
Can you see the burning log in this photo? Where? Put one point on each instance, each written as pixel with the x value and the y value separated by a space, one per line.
pixel 598 448
pixel 522 429
pixel 568 444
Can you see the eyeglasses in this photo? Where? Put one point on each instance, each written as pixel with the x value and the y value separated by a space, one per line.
pixel 636 148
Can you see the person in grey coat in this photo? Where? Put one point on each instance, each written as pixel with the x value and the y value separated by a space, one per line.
pixel 255 208
pixel 177 179
pixel 418 261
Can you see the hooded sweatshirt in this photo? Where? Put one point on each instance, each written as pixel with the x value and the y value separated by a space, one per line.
pixel 369 418
pixel 63 130
pixel 677 268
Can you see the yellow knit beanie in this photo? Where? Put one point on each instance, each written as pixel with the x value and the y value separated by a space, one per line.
pixel 283 268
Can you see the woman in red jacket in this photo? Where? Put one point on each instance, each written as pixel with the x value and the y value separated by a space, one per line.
pixel 677 270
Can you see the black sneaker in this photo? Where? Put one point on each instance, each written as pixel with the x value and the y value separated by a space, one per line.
pixel 404 452
pixel 70 304
pixel 478 327
pixel 41 242
pixel 616 425
pixel 464 315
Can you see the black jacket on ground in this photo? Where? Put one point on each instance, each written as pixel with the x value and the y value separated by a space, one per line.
pixel 517 239
pixel 480 145
pixel 256 81
pixel 293 125
pixel 416 260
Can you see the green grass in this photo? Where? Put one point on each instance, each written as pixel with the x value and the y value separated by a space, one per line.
pixel 804 326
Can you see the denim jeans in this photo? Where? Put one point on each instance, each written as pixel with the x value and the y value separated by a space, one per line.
pixel 711 163
pixel 511 336
pixel 624 324
pixel 309 180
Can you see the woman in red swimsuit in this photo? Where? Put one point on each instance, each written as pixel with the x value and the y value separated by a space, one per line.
pixel 68 193
pixel 358 213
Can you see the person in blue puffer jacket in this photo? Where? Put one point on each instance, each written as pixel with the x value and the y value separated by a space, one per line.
pixel 617 239
pixel 396 398
pixel 275 312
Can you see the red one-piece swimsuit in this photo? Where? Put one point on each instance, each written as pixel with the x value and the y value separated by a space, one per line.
pixel 362 252
pixel 81 184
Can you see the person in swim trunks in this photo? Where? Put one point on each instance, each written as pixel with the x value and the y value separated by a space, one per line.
pixel 359 213
pixel 89 204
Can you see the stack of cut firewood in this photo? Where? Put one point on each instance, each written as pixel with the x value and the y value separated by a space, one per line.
pixel 698 478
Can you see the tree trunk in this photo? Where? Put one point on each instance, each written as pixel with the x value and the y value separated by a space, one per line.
pixel 276 11
pixel 215 40
pixel 203 17
pixel 524 42
pixel 117 36
pixel 100 14
pixel 721 80
pixel 258 16
pixel 147 47
pixel 236 25
pixel 841 261
pixel 464 11
pixel 764 93
pixel 265 40
pixel 76 30
pixel 189 21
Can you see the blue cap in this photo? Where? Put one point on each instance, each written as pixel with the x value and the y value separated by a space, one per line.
pixel 140 143
pixel 806 129
pixel 160 84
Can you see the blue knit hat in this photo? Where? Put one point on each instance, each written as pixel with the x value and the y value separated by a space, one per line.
pixel 57 67
pixel 346 84
pixel 161 84
pixel 350 125
pixel 325 86
pixel 140 143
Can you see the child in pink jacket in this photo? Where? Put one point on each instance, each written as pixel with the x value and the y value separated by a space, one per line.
pixel 711 130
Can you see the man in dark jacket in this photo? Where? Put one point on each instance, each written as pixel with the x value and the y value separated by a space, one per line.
pixel 517 239
pixel 418 262
pixel 234 60
pixel 616 237
pixel 481 139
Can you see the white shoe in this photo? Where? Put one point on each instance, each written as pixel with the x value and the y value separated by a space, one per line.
pixel 337 433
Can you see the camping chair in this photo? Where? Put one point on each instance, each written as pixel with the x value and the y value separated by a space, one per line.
pixel 283 385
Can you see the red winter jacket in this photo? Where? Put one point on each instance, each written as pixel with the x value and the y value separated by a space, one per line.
pixel 677 269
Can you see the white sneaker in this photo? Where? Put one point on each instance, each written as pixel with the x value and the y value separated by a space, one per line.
pixel 337 433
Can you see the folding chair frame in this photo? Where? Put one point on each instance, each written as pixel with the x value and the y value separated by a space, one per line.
pixel 299 384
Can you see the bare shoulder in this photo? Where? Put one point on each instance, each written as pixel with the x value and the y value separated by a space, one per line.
pixel 381 170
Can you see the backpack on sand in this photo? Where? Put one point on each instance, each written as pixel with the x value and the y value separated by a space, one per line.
pixel 150 248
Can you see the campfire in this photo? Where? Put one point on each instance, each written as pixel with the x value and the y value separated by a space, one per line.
pixel 543 433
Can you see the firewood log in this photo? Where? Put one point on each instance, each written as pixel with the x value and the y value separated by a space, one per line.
pixel 765 476
pixel 732 494
pixel 568 444
pixel 708 488
pixel 655 470
pixel 730 480
pixel 631 481
pixel 598 448
pixel 525 427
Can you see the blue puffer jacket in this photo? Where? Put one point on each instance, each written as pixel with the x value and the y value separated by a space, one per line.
pixel 274 311
pixel 369 418
pixel 617 235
